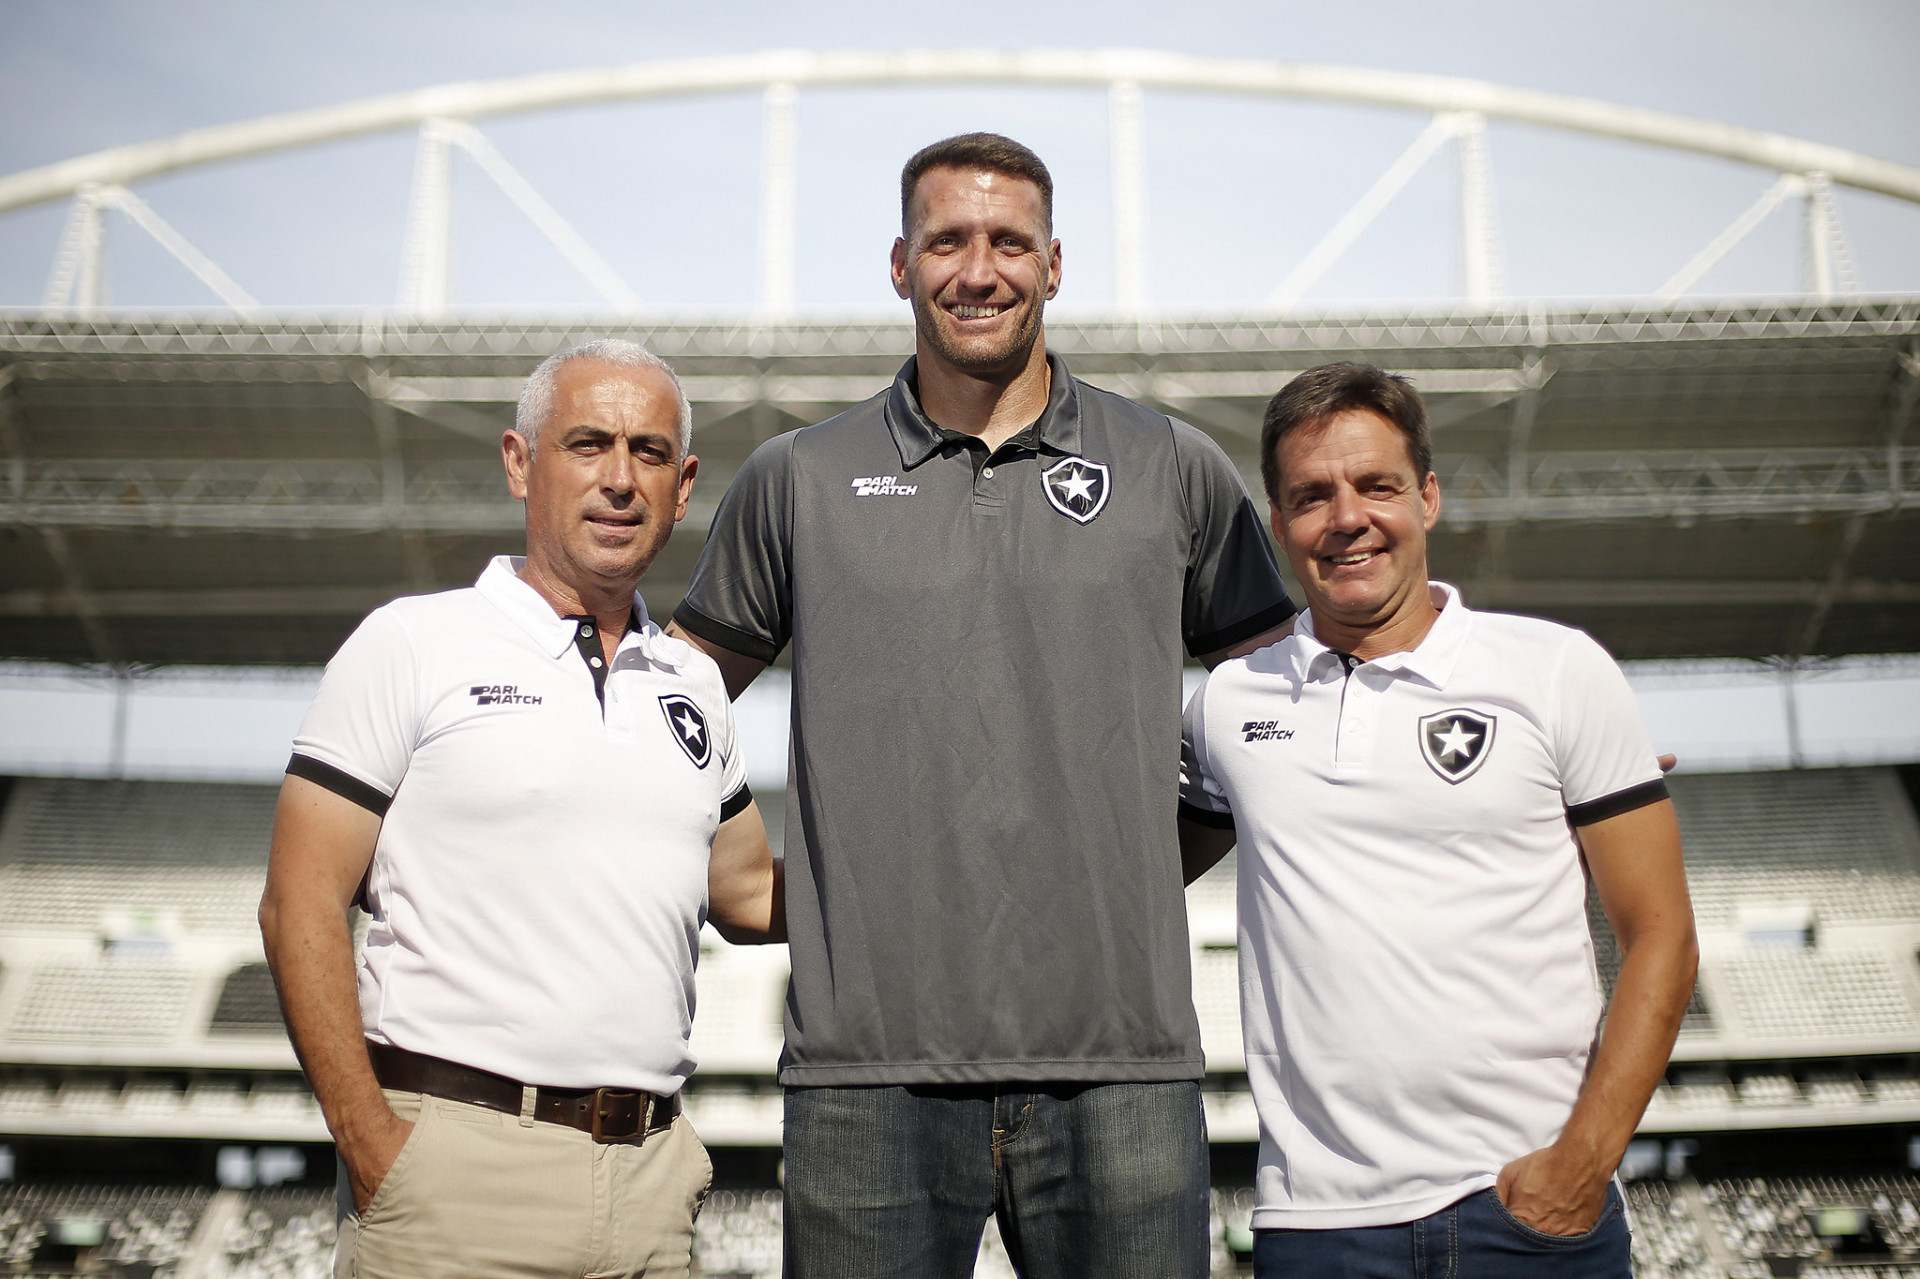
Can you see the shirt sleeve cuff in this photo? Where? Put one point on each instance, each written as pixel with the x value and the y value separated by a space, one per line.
pixel 694 622
pixel 343 784
pixel 1227 636
pixel 735 804
pixel 1623 801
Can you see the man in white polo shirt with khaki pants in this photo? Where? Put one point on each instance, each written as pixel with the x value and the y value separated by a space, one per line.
pixel 538 797
pixel 1419 792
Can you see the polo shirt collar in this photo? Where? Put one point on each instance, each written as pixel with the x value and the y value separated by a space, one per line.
pixel 918 439
pixel 1432 662
pixel 502 586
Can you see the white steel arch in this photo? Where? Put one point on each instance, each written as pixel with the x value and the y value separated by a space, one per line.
pixel 1123 73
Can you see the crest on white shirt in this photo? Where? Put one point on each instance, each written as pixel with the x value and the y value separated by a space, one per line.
pixel 1077 488
pixel 1455 743
pixel 689 728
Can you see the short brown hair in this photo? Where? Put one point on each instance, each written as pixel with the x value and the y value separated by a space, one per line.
pixel 989 151
pixel 1330 389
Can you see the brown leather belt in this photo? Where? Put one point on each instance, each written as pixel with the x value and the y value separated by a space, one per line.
pixel 609 1114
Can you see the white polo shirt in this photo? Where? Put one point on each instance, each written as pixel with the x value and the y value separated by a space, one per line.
pixel 1417 980
pixel 540 879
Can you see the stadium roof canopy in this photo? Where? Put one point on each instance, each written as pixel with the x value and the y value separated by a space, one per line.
pixel 1706 480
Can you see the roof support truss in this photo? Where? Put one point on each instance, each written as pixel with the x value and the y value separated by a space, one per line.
pixel 78 279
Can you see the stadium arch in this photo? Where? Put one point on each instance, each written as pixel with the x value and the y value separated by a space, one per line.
pixel 444 115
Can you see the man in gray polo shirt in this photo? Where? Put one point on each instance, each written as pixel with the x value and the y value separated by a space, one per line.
pixel 989 574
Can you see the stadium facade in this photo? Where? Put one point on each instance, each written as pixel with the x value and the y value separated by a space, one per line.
pixel 1683 479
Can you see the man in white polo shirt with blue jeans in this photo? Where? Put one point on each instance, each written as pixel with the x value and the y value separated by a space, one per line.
pixel 1419 792
pixel 538 797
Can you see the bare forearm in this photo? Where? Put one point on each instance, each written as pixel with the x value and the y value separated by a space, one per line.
pixel 310 949
pixel 746 884
pixel 1650 998
pixel 736 669
pixel 758 913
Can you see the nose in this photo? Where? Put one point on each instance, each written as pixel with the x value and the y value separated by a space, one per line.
pixel 977 273
pixel 617 471
pixel 1346 511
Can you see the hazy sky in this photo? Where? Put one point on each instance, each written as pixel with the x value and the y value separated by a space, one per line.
pixel 236 725
pixel 1237 190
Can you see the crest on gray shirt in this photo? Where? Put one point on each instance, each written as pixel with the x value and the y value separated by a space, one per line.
pixel 1077 488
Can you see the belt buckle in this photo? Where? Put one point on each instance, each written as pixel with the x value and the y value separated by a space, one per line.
pixel 619 1114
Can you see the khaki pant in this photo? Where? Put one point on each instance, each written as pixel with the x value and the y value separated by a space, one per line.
pixel 476 1193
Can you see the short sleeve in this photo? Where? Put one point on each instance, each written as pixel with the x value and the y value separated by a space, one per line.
pixel 741 593
pixel 1233 586
pixel 1202 799
pixel 1605 759
pixel 359 734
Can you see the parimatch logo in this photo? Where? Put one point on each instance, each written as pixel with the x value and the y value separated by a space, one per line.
pixel 882 486
pixel 501 695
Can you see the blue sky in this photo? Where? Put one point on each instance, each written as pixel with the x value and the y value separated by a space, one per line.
pixel 1237 191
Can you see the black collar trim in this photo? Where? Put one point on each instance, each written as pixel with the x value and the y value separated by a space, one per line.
pixel 918 438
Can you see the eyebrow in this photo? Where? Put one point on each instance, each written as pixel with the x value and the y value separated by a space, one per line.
pixel 587 431
pixel 933 230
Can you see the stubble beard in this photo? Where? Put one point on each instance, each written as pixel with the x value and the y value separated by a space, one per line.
pixel 972 357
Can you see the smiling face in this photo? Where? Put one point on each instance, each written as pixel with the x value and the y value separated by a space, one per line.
pixel 979 264
pixel 1353 517
pixel 604 480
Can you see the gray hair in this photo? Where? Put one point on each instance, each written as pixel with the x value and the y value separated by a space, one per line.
pixel 536 399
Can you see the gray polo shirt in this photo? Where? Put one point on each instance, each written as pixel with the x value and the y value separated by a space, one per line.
pixel 983 877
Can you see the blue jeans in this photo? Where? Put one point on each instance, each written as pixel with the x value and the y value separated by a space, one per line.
pixel 898 1182
pixel 1476 1238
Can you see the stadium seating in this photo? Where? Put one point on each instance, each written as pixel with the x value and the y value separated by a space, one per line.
pixel 1841 840
pixel 280 1234
pixel 121 1230
pixel 134 1003
pixel 1818 994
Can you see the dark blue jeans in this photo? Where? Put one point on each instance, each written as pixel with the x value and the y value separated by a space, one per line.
pixel 1105 1180
pixel 1476 1238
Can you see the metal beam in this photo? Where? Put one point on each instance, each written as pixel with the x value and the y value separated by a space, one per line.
pixel 79 600
pixel 779 199
pixel 287 601
pixel 559 232
pixel 1640 335
pixel 303 496
pixel 1481 277
pixel 393 485
pixel 425 258
pixel 414 393
pixel 1127 170
pixel 1065 68
pixel 1680 485
pixel 77 280
pixel 1368 207
pixel 1829 591
pixel 1483 592
pixel 204 268
pixel 469 496
pixel 1681 593
pixel 1526 410
pixel 1905 398
pixel 1787 184
pixel 1829 261
pixel 11 444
